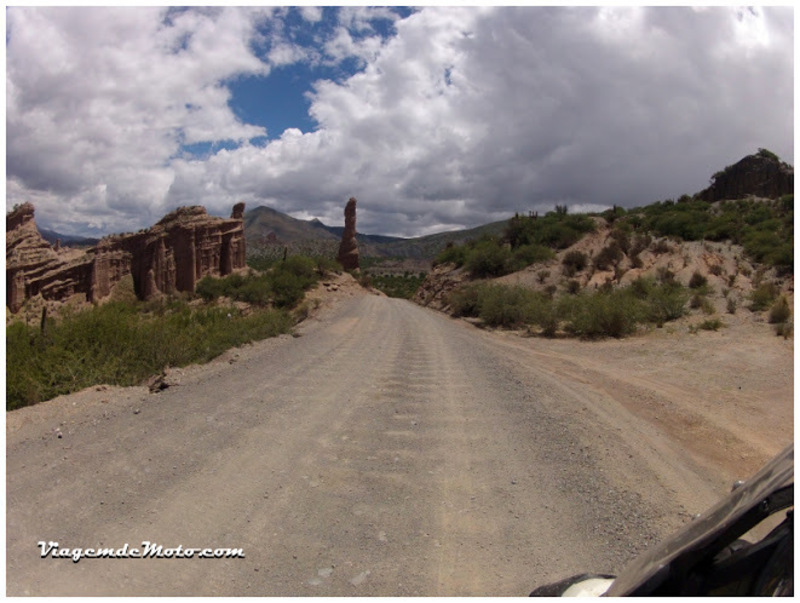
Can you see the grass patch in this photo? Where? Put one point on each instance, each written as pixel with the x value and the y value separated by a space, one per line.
pixel 123 343
pixel 711 324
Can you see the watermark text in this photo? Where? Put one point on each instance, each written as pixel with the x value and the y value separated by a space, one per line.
pixel 148 550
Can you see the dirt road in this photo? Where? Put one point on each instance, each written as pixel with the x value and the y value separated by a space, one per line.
pixel 388 450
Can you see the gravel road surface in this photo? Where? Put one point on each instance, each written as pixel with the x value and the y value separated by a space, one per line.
pixel 388 450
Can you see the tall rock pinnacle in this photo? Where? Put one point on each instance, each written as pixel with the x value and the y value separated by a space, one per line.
pixel 348 248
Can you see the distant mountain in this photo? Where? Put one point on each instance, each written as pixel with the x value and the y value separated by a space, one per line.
pixel 365 238
pixel 267 226
pixel 268 230
pixel 51 236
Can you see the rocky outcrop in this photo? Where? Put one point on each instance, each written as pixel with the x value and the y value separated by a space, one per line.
pixel 760 175
pixel 182 248
pixel 435 290
pixel 173 255
pixel 348 249
pixel 27 255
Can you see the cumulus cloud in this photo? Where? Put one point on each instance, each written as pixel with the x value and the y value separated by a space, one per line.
pixel 94 114
pixel 459 117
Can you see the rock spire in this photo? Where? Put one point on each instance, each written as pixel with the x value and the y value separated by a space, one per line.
pixel 348 249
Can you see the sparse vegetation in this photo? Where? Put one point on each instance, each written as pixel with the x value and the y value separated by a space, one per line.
pixel 283 285
pixel 488 257
pixel 784 329
pixel 763 296
pixel 398 285
pixel 608 257
pixel 764 228
pixel 574 262
pixel 606 313
pixel 711 324
pixel 780 312
pixel 124 342
pixel 614 313
pixel 527 240
pixel 697 281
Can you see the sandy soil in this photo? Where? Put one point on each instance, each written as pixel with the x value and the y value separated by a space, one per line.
pixel 388 449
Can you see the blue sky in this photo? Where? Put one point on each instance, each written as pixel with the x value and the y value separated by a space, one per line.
pixel 435 118
pixel 280 100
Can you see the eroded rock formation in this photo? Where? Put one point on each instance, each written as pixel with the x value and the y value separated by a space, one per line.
pixel 173 255
pixel 348 249
pixel 760 175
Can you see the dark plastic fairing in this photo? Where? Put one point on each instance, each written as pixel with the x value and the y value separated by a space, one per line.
pixel 707 556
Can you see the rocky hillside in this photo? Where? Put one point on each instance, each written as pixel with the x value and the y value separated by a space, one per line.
pixel 760 175
pixel 723 252
pixel 171 256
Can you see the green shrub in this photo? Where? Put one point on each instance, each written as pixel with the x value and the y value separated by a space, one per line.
pixel 784 329
pixel 505 306
pixel 487 258
pixel 665 275
pixel 556 230
pixel 614 314
pixel 608 257
pixel 122 344
pixel 621 235
pixel 763 296
pixel 574 262
pixel 640 243
pixel 712 324
pixel 527 255
pixel 665 302
pixel 697 300
pixel 464 301
pixel 642 287
pixel 697 281
pixel 452 254
pixel 255 290
pixel 326 265
pixel 780 311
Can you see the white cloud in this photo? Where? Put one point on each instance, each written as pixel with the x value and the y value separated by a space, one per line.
pixel 94 114
pixel 312 14
pixel 463 117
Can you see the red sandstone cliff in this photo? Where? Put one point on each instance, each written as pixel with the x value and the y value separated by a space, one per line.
pixel 173 255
